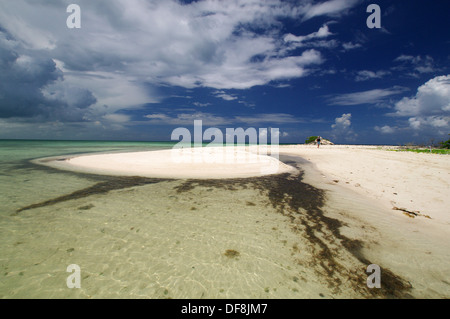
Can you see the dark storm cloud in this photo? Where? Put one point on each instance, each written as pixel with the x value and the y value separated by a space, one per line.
pixel 31 85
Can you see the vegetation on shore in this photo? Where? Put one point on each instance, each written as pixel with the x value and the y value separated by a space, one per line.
pixel 313 140
pixel 445 144
pixel 424 150
pixel 440 148
pixel 310 139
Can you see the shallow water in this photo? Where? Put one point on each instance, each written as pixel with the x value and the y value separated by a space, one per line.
pixel 268 237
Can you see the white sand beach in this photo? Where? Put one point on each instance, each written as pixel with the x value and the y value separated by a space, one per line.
pixel 396 202
pixel 417 182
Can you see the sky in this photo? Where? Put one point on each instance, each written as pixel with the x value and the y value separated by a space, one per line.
pixel 138 69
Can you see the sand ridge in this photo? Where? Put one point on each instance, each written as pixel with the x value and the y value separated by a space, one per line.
pixel 203 163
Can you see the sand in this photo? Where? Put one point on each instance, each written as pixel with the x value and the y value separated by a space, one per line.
pixel 418 183
pixel 201 163
pixel 365 187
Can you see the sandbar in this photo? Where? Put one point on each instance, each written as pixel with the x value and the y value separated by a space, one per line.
pixel 199 163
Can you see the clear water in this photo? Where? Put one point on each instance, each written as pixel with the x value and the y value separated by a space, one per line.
pixel 168 238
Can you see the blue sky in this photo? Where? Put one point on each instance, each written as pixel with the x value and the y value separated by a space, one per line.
pixel 137 69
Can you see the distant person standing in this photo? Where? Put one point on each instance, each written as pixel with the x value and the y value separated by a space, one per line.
pixel 318 140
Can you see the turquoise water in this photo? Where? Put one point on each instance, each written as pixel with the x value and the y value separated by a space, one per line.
pixel 23 183
pixel 139 239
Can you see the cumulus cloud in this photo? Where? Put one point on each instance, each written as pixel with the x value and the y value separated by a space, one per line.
pixel 32 85
pixel 436 122
pixel 204 43
pixel 429 109
pixel 74 97
pixel 127 49
pixel 341 129
pixel 343 122
pixel 432 98
pixel 385 129
pixel 182 44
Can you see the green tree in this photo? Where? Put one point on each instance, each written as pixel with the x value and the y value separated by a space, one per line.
pixel 311 139
pixel 445 144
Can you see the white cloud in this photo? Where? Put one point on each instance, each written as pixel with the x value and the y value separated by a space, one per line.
pixel 419 64
pixel 429 109
pixel 414 123
pixel 385 129
pixel 117 91
pixel 312 40
pixel 368 75
pixel 225 96
pixel 343 122
pixel 322 33
pixel 366 97
pixel 350 46
pixel 341 129
pixel 157 116
pixel 127 49
pixel 190 45
pixel 276 118
pixel 22 25
pixel 117 118
pixel 198 104
pixel 404 57
pixel 430 122
pixel 329 8
pixel 432 98
pixel 186 118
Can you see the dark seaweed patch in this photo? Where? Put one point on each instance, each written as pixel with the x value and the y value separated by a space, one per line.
pixel 302 204
pixel 231 253
pixel 113 183
pixel 87 207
